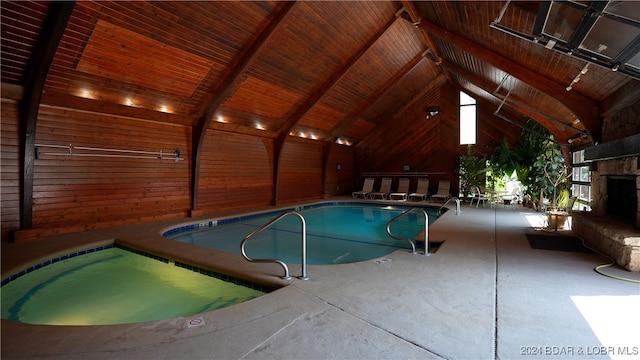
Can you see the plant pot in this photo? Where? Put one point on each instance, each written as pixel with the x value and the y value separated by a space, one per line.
pixel 557 219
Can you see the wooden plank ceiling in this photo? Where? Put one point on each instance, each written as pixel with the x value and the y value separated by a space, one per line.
pixel 330 71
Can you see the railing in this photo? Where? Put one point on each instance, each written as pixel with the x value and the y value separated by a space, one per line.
pixel 426 230
pixel 458 211
pixel 277 261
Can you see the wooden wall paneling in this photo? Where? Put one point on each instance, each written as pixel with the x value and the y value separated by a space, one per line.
pixel 339 170
pixel 78 193
pixel 209 107
pixel 9 169
pixel 236 172
pixel 416 141
pixel 300 173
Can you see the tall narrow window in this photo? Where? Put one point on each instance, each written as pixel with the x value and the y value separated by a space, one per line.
pixel 580 181
pixel 467 119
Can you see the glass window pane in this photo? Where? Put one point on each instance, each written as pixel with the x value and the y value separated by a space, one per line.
pixel 576 157
pixel 635 61
pixel 562 21
pixel 585 175
pixel 575 174
pixel 467 125
pixel 609 37
pixel 466 99
pixel 624 9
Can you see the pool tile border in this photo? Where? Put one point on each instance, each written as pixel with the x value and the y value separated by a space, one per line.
pixel 54 260
pixel 203 271
pixel 204 225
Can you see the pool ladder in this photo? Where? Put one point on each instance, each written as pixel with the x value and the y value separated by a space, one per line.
pixel 458 211
pixel 277 261
pixel 426 230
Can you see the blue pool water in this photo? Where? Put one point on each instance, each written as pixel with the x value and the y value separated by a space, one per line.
pixel 336 234
pixel 114 286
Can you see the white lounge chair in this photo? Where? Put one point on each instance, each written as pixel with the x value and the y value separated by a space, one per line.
pixel 403 190
pixel 422 190
pixel 443 190
pixel 367 188
pixel 385 189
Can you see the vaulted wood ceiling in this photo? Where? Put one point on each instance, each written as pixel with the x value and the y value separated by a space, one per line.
pixel 329 71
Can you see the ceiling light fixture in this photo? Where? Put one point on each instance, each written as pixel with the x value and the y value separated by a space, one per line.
pixel 433 111
pixel 584 70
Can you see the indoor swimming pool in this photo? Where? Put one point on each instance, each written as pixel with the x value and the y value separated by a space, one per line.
pixel 337 233
pixel 114 286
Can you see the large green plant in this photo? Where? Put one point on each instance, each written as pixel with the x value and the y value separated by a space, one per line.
pixel 522 157
pixel 551 171
pixel 471 170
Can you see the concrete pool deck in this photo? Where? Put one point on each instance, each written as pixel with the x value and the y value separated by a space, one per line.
pixel 485 294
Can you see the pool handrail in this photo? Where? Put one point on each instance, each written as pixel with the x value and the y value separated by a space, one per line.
pixel 426 230
pixel 277 261
pixel 458 211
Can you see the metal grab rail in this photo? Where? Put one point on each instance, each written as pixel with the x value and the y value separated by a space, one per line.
pixel 277 261
pixel 458 211
pixel 426 230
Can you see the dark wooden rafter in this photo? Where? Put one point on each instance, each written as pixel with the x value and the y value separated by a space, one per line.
pixel 313 99
pixel 490 88
pixel 345 123
pixel 412 11
pixel 582 107
pixel 45 50
pixel 433 85
pixel 226 87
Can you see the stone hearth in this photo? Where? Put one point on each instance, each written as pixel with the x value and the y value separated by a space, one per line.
pixel 612 237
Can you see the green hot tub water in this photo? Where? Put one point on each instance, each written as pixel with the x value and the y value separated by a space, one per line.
pixel 114 286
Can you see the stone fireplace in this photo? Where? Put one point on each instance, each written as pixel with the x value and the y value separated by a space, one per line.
pixel 613 225
pixel 615 186
pixel 622 198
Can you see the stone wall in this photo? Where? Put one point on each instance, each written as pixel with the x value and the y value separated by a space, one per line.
pixel 617 239
pixel 614 238
pixel 622 123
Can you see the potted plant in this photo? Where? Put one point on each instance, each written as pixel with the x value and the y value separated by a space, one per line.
pixel 471 170
pixel 521 158
pixel 555 173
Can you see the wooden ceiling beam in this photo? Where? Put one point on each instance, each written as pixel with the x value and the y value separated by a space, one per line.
pixel 433 85
pixel 224 89
pixel 411 9
pixel 45 50
pixel 490 87
pixel 584 108
pixel 345 123
pixel 313 99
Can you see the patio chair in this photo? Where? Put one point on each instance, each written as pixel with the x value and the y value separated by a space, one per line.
pixel 443 190
pixel 511 198
pixel 385 189
pixel 403 190
pixel 367 188
pixel 422 190
pixel 479 196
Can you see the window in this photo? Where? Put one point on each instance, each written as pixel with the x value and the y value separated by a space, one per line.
pixel 467 119
pixel 580 181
